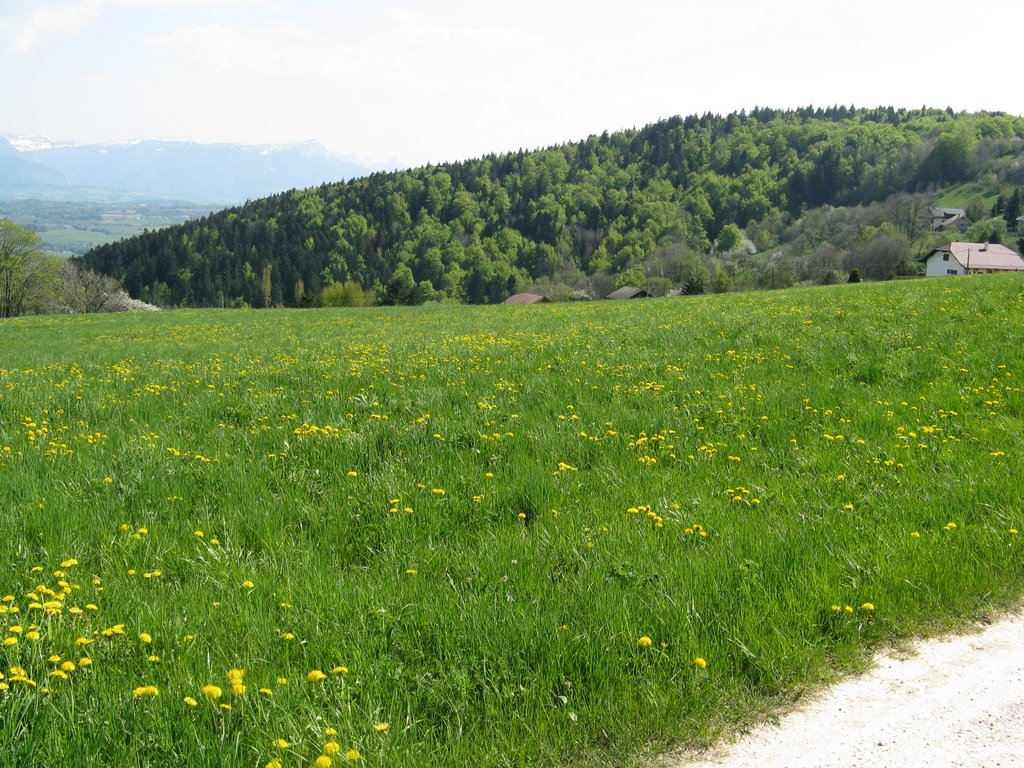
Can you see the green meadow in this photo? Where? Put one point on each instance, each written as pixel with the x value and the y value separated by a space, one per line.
pixel 566 534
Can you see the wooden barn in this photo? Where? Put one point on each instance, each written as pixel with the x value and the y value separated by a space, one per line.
pixel 527 298
pixel 628 292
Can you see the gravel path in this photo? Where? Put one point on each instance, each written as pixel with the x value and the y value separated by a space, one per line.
pixel 956 701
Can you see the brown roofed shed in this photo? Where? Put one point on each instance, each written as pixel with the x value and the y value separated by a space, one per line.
pixel 628 292
pixel 526 298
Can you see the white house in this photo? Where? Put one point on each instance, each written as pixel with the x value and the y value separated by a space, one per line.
pixel 971 259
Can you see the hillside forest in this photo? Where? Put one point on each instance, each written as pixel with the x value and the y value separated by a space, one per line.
pixel 759 199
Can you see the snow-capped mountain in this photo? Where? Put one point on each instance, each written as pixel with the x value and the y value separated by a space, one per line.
pixel 35 167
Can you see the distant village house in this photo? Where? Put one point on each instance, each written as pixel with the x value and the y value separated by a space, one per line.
pixel 971 259
pixel 946 219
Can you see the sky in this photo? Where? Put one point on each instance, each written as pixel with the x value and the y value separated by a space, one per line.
pixel 411 82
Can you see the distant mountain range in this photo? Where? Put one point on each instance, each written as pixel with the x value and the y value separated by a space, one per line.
pixel 35 168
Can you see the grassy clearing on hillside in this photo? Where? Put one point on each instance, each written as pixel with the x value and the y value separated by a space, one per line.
pixel 962 195
pixel 491 536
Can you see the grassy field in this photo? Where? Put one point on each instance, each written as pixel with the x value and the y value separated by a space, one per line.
pixel 962 195
pixel 545 535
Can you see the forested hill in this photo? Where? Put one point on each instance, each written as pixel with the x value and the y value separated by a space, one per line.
pixel 612 207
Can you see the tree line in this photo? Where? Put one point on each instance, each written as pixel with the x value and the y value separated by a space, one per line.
pixel 35 282
pixel 705 202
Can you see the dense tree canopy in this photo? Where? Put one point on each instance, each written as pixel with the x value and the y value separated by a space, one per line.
pixel 479 230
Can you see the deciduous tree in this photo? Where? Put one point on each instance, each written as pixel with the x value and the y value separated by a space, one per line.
pixel 27 275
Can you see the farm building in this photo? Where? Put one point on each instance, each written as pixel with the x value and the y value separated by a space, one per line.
pixel 526 298
pixel 628 292
pixel 950 218
pixel 972 259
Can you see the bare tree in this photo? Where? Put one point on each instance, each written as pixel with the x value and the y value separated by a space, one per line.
pixel 909 214
pixel 87 291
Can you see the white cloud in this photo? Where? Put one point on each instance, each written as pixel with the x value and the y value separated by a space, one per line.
pixel 62 20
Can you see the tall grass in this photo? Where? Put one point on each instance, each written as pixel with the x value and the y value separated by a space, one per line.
pixel 505 535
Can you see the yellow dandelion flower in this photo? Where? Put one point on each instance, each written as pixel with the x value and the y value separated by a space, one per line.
pixel 323 762
pixel 353 754
pixel 32 635
pixel 70 562
pixel 280 744
pixel 352 473
pixel 340 670
pixel 145 637
pixel 190 701
pixel 144 691
pixel 381 727
pixel 68 666
pixel 85 661
pixel 330 732
pixel 701 662
pixel 248 584
pixel 868 607
pixel 315 676
pixel 275 763
pixel 332 748
pixel 644 642
pixel 266 692
pixel 212 691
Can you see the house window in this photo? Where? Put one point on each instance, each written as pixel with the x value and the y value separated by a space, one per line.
pixel 951 272
pixel 945 257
